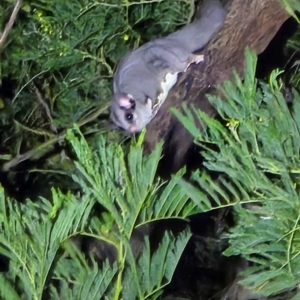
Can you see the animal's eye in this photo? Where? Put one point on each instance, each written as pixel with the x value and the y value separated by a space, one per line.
pixel 129 117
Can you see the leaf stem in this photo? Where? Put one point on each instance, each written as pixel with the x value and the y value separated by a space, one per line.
pixel 10 23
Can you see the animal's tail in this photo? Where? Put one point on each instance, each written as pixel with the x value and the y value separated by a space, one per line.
pixel 197 34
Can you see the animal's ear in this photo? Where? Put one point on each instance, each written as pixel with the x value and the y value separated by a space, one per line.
pixel 123 101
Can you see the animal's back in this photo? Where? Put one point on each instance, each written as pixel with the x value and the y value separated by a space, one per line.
pixel 141 71
pixel 133 76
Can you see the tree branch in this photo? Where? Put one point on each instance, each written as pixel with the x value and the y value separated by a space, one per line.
pixel 249 23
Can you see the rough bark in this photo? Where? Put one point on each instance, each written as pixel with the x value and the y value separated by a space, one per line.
pixel 249 23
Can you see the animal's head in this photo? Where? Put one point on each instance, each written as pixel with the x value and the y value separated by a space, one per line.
pixel 129 114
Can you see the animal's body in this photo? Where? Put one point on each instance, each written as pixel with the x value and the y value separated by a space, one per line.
pixel 144 76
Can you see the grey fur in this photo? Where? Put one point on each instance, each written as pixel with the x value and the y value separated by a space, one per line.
pixel 140 73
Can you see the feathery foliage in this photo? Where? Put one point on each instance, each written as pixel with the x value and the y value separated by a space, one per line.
pixel 59 60
pixel 34 234
pixel 257 155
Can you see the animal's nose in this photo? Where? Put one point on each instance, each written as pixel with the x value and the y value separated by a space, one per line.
pixel 133 128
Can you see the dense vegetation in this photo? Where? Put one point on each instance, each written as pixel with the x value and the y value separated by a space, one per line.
pixel 87 183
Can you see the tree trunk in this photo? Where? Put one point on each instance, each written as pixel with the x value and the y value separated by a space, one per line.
pixel 249 23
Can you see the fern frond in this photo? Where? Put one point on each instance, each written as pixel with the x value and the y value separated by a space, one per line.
pixel 126 186
pixel 258 156
pixel 34 234
pixel 155 271
pixel 130 194
pixel 92 283
pixel 129 184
